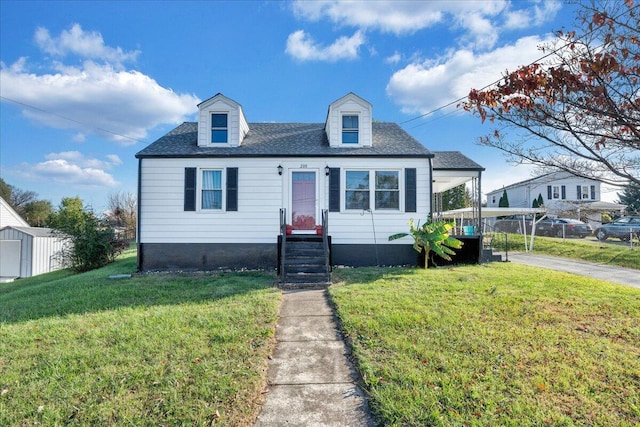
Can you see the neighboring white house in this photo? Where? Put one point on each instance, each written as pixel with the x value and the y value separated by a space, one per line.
pixel 560 191
pixel 211 193
pixel 9 217
pixel 25 251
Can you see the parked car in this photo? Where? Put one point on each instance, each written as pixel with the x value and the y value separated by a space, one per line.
pixel 511 225
pixel 621 228
pixel 563 227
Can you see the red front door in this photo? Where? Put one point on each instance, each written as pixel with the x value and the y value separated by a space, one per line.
pixel 303 200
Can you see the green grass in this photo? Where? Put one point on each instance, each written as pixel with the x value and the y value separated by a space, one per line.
pixel 497 344
pixel 587 250
pixel 158 349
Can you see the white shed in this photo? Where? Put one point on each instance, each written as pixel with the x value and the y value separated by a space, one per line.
pixel 28 251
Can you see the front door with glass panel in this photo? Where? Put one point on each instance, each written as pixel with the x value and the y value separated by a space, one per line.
pixel 303 200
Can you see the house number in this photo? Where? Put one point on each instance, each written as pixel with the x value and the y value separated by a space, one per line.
pixel 303 166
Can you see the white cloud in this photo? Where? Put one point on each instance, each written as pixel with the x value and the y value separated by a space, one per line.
pixel 84 44
pixel 73 169
pixel 421 87
pixel 92 98
pixel 481 21
pixel 393 59
pixel 301 46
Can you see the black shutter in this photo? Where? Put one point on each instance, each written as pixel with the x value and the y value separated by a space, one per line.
pixel 189 189
pixel 334 189
pixel 232 189
pixel 579 192
pixel 564 192
pixel 593 192
pixel 549 195
pixel 410 190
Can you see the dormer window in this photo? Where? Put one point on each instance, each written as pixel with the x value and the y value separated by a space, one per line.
pixel 219 130
pixel 350 129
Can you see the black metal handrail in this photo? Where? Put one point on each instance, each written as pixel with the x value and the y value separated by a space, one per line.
pixel 283 241
pixel 325 238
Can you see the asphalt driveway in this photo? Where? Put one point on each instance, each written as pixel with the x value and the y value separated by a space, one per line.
pixel 623 276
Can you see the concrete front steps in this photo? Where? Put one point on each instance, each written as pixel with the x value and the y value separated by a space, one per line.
pixel 305 263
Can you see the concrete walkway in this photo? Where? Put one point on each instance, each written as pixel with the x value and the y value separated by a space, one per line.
pixel 610 273
pixel 311 382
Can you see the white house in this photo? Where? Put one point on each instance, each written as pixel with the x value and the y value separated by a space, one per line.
pixel 25 251
pixel 9 217
pixel 221 192
pixel 560 191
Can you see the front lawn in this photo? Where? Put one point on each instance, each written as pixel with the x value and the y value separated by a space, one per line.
pixel 159 349
pixel 496 344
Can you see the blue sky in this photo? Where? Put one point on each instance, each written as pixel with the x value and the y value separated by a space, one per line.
pixel 86 85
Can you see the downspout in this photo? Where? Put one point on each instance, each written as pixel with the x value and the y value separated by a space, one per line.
pixel 430 188
pixel 138 219
pixel 479 225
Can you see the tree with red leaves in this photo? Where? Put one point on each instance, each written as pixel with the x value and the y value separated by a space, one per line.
pixel 580 105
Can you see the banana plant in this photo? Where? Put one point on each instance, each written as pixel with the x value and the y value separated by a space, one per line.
pixel 432 237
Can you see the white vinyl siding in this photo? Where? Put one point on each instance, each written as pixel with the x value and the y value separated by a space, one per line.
pixel 522 196
pixel 261 194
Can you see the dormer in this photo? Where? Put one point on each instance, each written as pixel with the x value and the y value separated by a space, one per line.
pixel 221 122
pixel 349 122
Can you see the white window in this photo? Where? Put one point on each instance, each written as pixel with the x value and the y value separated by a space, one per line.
pixel 387 190
pixel 211 191
pixel 381 186
pixel 584 192
pixel 556 191
pixel 357 190
pixel 219 129
pixel 350 129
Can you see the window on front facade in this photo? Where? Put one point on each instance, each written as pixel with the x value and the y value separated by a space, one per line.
pixel 211 189
pixel 219 130
pixel 357 190
pixel 584 192
pixel 350 129
pixel 383 187
pixel 387 190
pixel 556 192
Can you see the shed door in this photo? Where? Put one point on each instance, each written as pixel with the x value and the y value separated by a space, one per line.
pixel 303 200
pixel 10 259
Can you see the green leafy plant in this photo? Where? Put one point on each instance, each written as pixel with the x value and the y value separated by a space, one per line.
pixel 432 237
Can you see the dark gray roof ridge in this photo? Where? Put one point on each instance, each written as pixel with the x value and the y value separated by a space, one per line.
pixel 286 140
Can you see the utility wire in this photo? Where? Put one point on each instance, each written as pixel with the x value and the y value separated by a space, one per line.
pixel 70 119
pixel 554 51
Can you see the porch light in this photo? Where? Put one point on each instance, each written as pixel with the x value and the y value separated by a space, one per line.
pixel 279 169
pixel 327 169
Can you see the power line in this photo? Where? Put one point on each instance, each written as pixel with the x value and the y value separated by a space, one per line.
pixel 51 113
pixel 554 51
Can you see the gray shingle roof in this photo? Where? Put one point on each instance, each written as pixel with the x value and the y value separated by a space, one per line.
pixel 286 140
pixel 453 160
pixel 34 231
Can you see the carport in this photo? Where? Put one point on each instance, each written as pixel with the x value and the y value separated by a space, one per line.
pixel 459 215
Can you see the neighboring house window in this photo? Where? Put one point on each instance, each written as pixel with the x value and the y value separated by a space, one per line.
pixel 219 130
pixel 556 191
pixel 357 190
pixel 381 186
pixel 493 200
pixel 350 129
pixel 387 190
pixel 584 192
pixel 211 189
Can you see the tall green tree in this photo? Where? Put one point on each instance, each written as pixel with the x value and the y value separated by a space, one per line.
pixel 37 213
pixel 630 196
pixel 456 198
pixel 504 200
